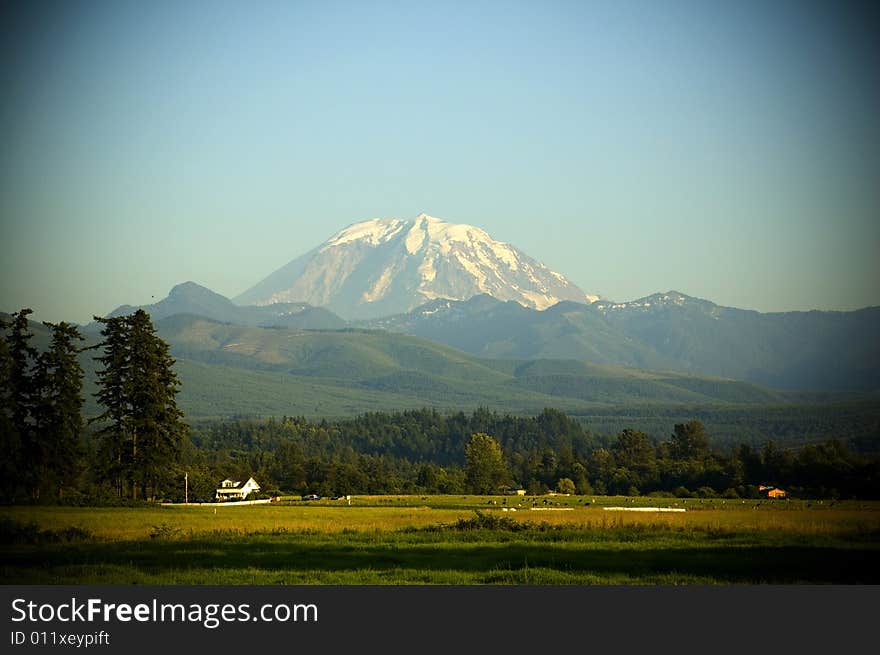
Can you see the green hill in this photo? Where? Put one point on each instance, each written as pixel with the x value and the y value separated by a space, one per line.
pixel 229 369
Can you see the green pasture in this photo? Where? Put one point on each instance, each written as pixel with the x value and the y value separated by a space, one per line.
pixel 447 540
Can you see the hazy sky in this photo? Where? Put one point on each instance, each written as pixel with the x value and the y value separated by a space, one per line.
pixel 729 150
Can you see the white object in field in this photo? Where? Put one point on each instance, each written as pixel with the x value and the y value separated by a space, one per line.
pixel 644 509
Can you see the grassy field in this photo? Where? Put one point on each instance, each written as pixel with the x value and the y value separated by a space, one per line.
pixel 447 540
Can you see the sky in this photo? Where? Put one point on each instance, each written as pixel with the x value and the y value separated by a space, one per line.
pixel 727 150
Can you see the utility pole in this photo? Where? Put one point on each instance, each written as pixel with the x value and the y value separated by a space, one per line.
pixel 186 488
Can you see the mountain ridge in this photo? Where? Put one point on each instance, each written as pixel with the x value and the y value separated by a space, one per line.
pixel 813 350
pixel 670 331
pixel 192 298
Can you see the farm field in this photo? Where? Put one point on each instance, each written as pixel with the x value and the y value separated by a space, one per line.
pixel 447 540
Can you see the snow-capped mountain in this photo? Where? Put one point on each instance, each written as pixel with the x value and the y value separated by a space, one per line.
pixel 387 266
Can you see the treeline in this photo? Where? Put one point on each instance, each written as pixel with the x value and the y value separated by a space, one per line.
pixel 798 421
pixel 426 452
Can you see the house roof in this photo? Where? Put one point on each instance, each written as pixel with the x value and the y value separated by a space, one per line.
pixel 238 484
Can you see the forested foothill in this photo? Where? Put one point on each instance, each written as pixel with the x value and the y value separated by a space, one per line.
pixel 140 449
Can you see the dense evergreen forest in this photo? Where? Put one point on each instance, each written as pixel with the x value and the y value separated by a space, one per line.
pixel 425 452
pixel 810 421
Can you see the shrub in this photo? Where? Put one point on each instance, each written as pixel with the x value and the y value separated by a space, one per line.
pixel 164 531
pixel 565 486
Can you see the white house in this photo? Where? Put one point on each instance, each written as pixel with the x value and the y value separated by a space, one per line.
pixel 232 490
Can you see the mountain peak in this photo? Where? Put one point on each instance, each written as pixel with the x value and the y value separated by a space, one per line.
pixel 189 298
pixel 385 266
pixel 373 231
pixel 189 288
pixel 427 217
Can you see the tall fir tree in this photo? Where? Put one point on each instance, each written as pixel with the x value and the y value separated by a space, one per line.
pixel 58 409
pixel 9 441
pixel 142 426
pixel 156 422
pixel 19 442
pixel 113 394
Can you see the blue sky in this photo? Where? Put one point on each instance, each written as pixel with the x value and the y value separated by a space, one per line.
pixel 728 150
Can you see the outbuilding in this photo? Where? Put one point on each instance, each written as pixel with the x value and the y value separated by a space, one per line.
pixel 772 492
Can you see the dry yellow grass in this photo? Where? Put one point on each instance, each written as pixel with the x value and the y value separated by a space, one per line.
pixel 138 523
pixel 368 514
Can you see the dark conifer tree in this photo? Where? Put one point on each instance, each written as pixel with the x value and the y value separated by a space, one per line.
pixel 142 430
pixel 19 400
pixel 9 441
pixel 58 409
pixel 113 394
pixel 156 422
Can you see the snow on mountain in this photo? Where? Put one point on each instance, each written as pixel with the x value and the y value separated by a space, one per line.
pixel 659 302
pixel 387 266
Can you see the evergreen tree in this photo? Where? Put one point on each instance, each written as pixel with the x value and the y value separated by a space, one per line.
pixel 19 441
pixel 58 408
pixel 156 423
pixel 138 387
pixel 22 358
pixel 9 441
pixel 114 389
